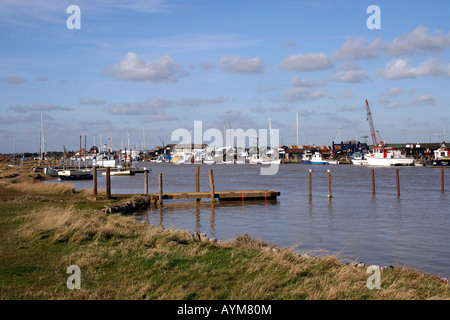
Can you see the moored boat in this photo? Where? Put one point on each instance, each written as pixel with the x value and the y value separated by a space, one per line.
pixel 387 157
pixel 441 157
pixel 128 172
pixel 306 157
pixel 358 158
pixel 317 159
pixel 75 175
pixel 51 172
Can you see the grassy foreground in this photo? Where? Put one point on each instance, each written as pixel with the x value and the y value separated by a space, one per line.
pixel 45 228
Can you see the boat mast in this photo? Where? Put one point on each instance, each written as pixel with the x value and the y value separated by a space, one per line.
pixel 41 147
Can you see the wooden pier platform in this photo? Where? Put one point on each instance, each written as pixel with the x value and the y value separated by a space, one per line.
pixel 220 195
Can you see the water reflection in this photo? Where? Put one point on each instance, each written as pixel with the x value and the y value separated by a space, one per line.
pixel 176 213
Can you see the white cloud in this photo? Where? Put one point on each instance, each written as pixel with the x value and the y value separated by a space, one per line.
pixel 195 102
pixel 393 92
pixel 303 94
pixel 356 48
pixel 423 101
pixel 92 101
pixel 236 64
pixel 131 67
pixel 155 106
pixel 421 41
pixel 307 62
pixel 395 105
pixel 305 83
pixel 400 68
pixel 38 107
pixel 350 76
pixel 13 80
pixel 349 108
pixel 258 109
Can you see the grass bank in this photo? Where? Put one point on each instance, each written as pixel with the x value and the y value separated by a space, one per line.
pixel 45 228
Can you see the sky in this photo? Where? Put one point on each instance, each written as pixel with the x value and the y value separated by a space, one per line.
pixel 142 69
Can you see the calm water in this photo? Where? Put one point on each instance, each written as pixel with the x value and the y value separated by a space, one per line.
pixel 381 229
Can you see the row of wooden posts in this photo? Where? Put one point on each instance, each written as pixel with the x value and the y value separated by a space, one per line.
pixel 160 183
pixel 373 182
pixel 211 183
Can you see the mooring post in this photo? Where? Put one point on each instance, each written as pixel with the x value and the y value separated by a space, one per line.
pixel 197 180
pixel 373 181
pixel 108 183
pixel 329 184
pixel 442 179
pixel 160 182
pixel 310 182
pixel 94 178
pixel 211 185
pixel 398 185
pixel 146 181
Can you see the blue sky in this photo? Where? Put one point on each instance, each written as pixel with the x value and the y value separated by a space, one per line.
pixel 161 65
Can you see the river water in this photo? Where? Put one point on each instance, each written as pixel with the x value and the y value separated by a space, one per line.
pixel 384 229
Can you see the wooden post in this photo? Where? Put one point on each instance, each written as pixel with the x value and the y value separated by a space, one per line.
pixel 125 165
pixel 329 184
pixel 94 174
pixel 310 182
pixel 108 183
pixel 160 182
pixel 442 179
pixel 373 181
pixel 211 185
pixel 146 181
pixel 131 158
pixel 197 180
pixel 398 185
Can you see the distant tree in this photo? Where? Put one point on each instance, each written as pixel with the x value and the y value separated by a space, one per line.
pixel 94 149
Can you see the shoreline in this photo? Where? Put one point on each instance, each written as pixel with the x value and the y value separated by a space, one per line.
pixel 49 228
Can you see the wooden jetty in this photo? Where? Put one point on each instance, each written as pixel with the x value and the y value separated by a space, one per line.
pixel 220 195
pixel 212 194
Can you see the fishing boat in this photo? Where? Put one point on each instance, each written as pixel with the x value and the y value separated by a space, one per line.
pixel 441 157
pixel 387 157
pixel 51 172
pixel 105 158
pixel 358 158
pixel 306 157
pixel 317 159
pixel 75 175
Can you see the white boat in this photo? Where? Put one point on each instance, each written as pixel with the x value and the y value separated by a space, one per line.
pixel 359 158
pixel 441 157
pixel 105 158
pixel 317 159
pixel 255 159
pixel 333 161
pixel 306 157
pixel 51 172
pixel 387 156
pixel 128 172
pixel 75 175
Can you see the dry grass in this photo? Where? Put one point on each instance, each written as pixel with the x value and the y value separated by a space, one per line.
pixel 123 259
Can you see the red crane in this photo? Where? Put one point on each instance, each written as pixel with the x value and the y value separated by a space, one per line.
pixel 372 130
